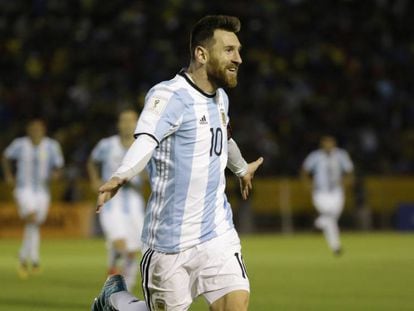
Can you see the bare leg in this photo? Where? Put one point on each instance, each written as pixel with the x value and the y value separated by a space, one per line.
pixel 234 301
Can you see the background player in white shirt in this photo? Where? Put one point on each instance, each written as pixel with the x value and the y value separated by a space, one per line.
pixel 122 218
pixel 38 158
pixel 330 168
pixel 191 245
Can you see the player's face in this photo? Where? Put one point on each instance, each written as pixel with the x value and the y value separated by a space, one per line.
pixel 224 60
pixel 36 130
pixel 328 143
pixel 127 123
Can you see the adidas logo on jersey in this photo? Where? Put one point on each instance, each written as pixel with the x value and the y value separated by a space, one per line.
pixel 203 120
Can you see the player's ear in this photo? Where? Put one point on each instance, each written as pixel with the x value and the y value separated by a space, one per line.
pixel 201 54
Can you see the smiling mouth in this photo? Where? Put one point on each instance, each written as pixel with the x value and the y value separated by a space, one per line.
pixel 233 70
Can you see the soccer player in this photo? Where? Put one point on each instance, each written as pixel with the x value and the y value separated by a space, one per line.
pixel 123 217
pixel 38 159
pixel 191 246
pixel 331 169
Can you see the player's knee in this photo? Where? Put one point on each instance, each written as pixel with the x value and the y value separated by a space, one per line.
pixel 31 218
pixel 119 245
pixel 132 255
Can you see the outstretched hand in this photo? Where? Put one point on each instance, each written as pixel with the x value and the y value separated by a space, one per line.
pixel 246 180
pixel 108 190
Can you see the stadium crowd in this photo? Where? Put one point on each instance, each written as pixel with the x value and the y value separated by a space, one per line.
pixel 310 67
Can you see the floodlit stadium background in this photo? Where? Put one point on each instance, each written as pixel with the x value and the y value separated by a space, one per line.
pixel 309 67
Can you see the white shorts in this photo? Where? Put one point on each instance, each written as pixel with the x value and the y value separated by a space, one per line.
pixel 30 201
pixel 122 218
pixel 329 203
pixel 212 269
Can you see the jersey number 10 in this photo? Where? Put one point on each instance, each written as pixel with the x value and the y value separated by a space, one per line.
pixel 216 141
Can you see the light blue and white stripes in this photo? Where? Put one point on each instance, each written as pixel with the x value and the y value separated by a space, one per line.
pixel 327 169
pixel 187 205
pixel 109 153
pixel 34 162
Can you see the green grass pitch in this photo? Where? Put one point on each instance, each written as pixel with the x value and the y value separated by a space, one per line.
pixel 294 272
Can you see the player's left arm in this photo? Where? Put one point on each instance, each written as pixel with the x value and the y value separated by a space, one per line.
pixel 57 173
pixel 348 179
pixel 306 178
pixel 238 165
pixel 7 171
pixel 57 161
pixel 348 170
pixel 9 156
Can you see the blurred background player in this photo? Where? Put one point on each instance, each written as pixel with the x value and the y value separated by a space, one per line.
pixel 38 158
pixel 331 169
pixel 122 218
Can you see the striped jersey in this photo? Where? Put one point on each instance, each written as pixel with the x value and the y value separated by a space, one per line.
pixel 34 164
pixel 109 153
pixel 327 168
pixel 187 205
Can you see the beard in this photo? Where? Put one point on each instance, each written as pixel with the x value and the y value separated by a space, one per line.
pixel 219 74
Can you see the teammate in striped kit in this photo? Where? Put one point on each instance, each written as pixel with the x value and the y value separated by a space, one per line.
pixel 331 168
pixel 38 158
pixel 121 218
pixel 191 246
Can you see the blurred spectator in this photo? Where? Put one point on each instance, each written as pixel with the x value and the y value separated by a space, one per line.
pixel 309 67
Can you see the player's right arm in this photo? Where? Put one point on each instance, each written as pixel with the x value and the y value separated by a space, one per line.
pixel 306 171
pixel 7 171
pixel 96 157
pixel 135 160
pixel 9 155
pixel 162 116
pixel 93 174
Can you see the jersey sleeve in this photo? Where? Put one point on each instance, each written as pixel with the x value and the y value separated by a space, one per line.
pixel 346 163
pixel 57 156
pixel 162 114
pixel 99 151
pixel 310 162
pixel 13 150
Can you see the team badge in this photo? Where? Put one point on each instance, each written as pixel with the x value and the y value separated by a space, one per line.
pixel 223 117
pixel 160 305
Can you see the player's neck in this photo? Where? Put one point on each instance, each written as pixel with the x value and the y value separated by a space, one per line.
pixel 126 140
pixel 36 141
pixel 198 76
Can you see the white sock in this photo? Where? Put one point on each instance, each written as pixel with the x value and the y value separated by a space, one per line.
pixel 130 272
pixel 113 256
pixel 34 242
pixel 125 301
pixel 331 232
pixel 25 249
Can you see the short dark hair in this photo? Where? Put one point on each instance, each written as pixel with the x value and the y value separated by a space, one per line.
pixel 203 30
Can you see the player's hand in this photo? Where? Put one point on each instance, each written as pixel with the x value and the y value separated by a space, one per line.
pixel 56 174
pixel 108 190
pixel 96 184
pixel 246 180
